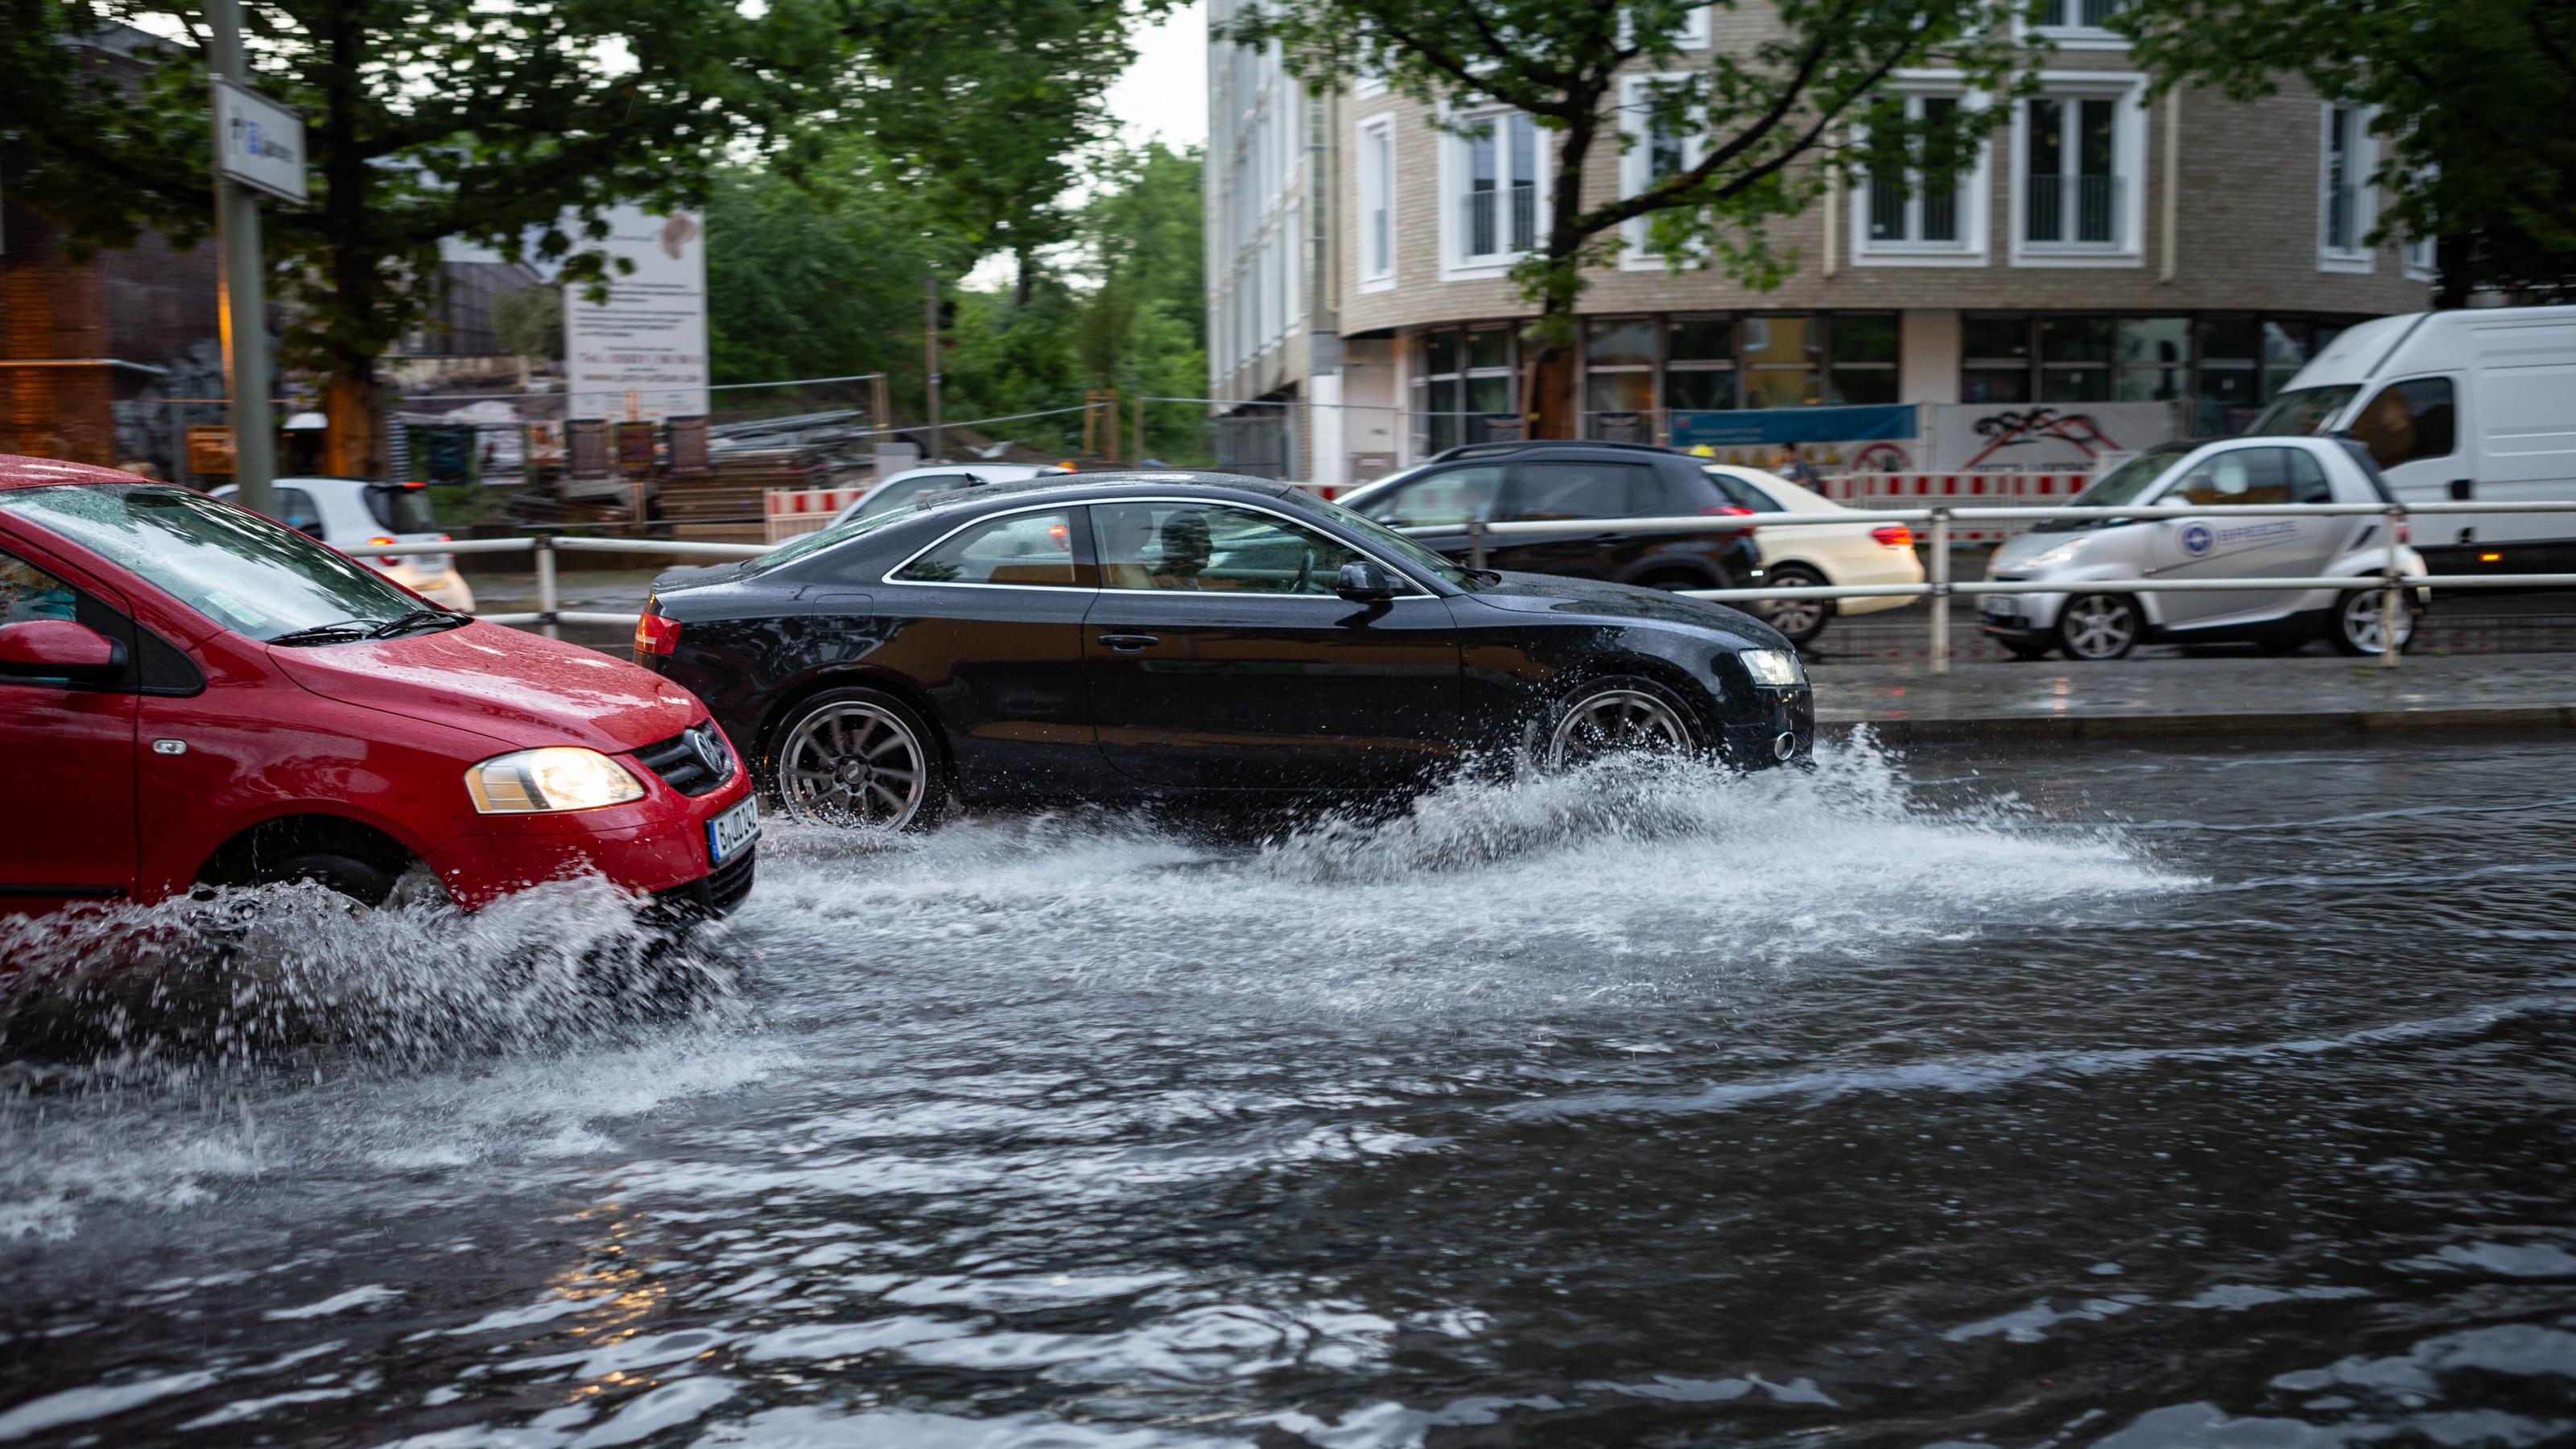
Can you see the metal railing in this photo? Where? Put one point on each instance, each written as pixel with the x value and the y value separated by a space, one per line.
pixel 1937 587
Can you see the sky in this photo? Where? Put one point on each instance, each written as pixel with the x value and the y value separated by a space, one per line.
pixel 1165 92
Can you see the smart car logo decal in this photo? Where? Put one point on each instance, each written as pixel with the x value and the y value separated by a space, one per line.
pixel 2196 539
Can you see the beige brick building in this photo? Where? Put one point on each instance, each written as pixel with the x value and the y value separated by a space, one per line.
pixel 2107 248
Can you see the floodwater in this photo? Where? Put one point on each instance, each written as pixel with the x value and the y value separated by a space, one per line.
pixel 2116 1097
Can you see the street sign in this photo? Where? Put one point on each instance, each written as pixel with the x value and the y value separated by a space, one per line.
pixel 258 142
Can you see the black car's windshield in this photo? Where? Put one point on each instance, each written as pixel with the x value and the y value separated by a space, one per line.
pixel 821 539
pixel 231 565
pixel 2306 411
pixel 2123 484
pixel 1381 537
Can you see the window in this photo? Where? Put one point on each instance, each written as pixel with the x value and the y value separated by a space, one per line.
pixel 2250 478
pixel 2417 418
pixel 1783 362
pixel 2079 24
pixel 1494 181
pixel 1030 550
pixel 2079 158
pixel 1377 204
pixel 1573 489
pixel 1913 217
pixel 1863 347
pixel 1193 547
pixel 1452 496
pixel 1740 494
pixel 1657 146
pixel 1699 364
pixel 400 508
pixel 2423 259
pixel 1619 378
pixel 1463 388
pixel 29 594
pixel 1995 359
pixel 297 510
pixel 2155 359
pixel 2345 160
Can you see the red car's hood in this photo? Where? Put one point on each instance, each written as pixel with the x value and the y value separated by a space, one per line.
pixel 519 688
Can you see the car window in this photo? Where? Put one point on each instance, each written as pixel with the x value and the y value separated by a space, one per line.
pixel 403 509
pixel 2304 410
pixel 229 564
pixel 2417 418
pixel 28 593
pixel 2238 478
pixel 1571 489
pixel 297 510
pixel 1210 548
pixel 1034 550
pixel 2308 481
pixel 1450 496
pixel 1740 494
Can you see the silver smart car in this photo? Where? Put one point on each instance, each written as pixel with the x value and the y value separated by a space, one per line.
pixel 2231 478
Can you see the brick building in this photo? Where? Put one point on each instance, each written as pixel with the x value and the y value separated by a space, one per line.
pixel 2190 250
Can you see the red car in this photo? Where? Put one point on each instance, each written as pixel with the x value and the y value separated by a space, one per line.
pixel 192 694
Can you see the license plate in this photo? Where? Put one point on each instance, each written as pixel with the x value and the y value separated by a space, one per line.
pixel 732 832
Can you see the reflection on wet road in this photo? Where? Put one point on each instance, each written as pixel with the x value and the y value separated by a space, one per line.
pixel 2120 1097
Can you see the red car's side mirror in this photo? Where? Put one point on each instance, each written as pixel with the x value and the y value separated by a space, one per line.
pixel 58 649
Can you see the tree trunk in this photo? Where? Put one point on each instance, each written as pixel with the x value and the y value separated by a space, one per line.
pixel 354 447
pixel 1550 408
pixel 2451 258
pixel 1024 279
pixel 1551 401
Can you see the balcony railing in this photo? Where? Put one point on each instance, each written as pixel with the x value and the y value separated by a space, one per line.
pixel 2072 211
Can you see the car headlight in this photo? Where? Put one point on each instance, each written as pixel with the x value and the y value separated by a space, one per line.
pixel 559 777
pixel 1772 666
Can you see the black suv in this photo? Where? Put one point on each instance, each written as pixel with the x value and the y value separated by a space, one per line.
pixel 1514 482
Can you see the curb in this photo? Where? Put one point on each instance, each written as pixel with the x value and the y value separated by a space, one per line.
pixel 2072 728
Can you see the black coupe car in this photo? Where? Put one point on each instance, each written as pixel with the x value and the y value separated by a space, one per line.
pixel 1117 635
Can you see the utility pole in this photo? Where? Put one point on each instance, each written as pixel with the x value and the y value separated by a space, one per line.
pixel 245 297
pixel 930 346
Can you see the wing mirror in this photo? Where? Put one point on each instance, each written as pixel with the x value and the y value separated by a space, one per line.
pixel 1364 582
pixel 57 649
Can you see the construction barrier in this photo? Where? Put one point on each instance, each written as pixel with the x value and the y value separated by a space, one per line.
pixel 1959 491
pixel 788 512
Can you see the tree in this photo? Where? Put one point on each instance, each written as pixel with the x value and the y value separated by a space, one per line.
pixel 530 321
pixel 2464 92
pixel 516 126
pixel 1792 94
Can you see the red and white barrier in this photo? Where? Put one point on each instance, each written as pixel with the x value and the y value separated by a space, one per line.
pixel 1957 490
pixel 788 512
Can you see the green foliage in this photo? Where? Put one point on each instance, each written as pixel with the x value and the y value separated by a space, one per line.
pixel 530 321
pixel 2474 98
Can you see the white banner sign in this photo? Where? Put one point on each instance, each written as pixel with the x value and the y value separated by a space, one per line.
pixel 2039 437
pixel 258 142
pixel 643 352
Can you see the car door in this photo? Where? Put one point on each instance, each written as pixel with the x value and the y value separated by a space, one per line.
pixel 2229 536
pixel 67 827
pixel 1572 490
pixel 1435 509
pixel 1220 657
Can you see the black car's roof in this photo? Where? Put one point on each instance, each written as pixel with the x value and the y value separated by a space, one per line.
pixel 1079 487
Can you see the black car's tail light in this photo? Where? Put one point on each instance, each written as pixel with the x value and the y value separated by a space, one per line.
pixel 655 634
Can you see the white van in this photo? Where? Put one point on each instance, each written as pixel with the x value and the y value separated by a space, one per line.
pixel 2476 404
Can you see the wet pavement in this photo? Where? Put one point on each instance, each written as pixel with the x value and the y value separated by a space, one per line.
pixel 2035 1097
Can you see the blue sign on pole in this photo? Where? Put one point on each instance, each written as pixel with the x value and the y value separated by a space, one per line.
pixel 1789 427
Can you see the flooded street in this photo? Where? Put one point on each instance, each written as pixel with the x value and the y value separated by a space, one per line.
pixel 2118 1096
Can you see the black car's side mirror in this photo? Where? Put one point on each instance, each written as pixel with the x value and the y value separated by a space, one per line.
pixel 1363 582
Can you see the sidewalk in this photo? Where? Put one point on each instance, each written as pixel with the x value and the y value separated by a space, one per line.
pixel 2217 697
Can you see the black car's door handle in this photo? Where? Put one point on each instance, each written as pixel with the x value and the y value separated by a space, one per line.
pixel 1130 643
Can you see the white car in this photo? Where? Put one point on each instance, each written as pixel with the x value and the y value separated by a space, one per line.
pixel 1863 551
pixel 352 515
pixel 914 484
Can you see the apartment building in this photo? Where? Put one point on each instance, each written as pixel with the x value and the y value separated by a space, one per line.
pixel 2106 248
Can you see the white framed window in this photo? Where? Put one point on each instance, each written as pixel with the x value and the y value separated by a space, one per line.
pixel 2346 156
pixel 2077 24
pixel 1914 220
pixel 1655 150
pixel 1376 210
pixel 2079 166
pixel 1494 188
pixel 1693 34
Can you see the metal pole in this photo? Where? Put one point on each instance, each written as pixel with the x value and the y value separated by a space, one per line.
pixel 544 547
pixel 930 345
pixel 1940 591
pixel 2388 593
pixel 1475 543
pixel 244 295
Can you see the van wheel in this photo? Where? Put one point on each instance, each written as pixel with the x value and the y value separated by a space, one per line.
pixel 2097 628
pixel 858 758
pixel 1798 620
pixel 2355 629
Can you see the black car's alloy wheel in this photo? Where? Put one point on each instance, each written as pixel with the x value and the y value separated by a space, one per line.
pixel 1618 716
pixel 858 758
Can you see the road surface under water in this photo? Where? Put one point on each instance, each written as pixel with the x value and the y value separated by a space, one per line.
pixel 2119 1097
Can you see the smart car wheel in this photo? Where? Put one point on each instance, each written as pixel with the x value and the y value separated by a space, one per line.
pixel 1798 620
pixel 1616 716
pixel 857 758
pixel 2095 627
pixel 2356 623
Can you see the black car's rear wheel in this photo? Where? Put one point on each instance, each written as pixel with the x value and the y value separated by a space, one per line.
pixel 1621 715
pixel 857 758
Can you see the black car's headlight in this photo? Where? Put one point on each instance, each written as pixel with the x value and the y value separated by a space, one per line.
pixel 1775 667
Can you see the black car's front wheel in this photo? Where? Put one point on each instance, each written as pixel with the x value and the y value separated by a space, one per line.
pixel 1619 715
pixel 857 758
